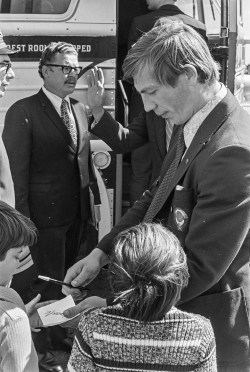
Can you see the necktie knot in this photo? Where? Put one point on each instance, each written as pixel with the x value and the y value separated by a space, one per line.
pixel 64 104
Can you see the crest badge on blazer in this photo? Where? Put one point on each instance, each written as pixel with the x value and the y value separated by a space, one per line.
pixel 180 218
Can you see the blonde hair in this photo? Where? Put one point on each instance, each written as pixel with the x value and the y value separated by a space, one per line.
pixel 166 49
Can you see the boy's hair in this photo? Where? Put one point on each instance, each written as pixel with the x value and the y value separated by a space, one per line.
pixel 16 230
pixel 148 271
pixel 166 49
pixel 51 50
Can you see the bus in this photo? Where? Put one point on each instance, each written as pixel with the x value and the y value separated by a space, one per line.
pixel 98 29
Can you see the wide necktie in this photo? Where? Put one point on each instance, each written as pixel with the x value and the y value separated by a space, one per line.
pixel 158 199
pixel 69 123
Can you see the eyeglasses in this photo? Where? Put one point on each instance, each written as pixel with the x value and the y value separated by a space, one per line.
pixel 6 65
pixel 67 69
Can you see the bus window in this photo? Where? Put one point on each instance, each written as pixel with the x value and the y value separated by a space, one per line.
pixel 212 14
pixel 34 6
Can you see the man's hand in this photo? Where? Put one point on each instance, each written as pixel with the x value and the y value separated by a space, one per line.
pixel 84 271
pixel 95 96
pixel 89 302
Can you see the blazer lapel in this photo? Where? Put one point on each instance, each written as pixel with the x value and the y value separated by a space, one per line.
pixel 55 119
pixel 204 134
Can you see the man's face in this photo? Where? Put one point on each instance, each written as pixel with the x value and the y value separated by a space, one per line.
pixel 58 82
pixel 175 104
pixel 5 77
pixel 9 265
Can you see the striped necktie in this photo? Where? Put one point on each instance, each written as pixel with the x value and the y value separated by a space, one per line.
pixel 169 129
pixel 158 199
pixel 68 122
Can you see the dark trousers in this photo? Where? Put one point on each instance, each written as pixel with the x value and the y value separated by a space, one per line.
pixel 56 250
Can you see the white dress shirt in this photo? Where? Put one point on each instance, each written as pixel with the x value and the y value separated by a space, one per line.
pixel 195 122
pixel 57 101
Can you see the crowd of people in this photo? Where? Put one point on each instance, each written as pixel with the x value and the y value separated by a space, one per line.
pixel 178 261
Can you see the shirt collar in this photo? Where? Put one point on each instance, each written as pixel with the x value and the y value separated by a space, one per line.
pixel 195 122
pixel 55 100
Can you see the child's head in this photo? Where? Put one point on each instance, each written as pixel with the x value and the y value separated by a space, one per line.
pixel 16 231
pixel 149 270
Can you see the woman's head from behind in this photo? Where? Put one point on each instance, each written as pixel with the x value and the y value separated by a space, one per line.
pixel 149 270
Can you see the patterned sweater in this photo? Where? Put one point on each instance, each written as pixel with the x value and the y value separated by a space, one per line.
pixel 106 340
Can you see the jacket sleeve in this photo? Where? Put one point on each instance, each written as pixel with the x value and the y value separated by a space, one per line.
pixel 220 221
pixel 121 139
pixel 17 137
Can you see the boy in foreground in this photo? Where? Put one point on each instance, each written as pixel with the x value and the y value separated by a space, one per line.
pixel 17 352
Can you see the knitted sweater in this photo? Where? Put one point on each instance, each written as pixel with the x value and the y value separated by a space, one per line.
pixel 106 340
pixel 17 352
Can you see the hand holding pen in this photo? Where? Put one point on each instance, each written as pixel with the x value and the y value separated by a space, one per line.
pixel 55 281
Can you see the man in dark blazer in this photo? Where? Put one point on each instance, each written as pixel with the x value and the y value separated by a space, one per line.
pixel 203 192
pixel 47 141
pixel 143 159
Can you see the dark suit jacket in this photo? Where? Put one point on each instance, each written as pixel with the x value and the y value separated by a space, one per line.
pixel 146 22
pixel 210 213
pixel 147 127
pixel 51 177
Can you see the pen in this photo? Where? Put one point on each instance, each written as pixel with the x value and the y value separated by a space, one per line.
pixel 47 279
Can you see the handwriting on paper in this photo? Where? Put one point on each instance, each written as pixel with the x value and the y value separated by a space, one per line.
pixel 52 314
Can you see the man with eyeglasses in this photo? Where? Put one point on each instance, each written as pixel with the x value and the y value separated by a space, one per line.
pixel 47 140
pixel 6 75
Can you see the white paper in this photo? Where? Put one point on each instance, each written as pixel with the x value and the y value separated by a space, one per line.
pixel 52 314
